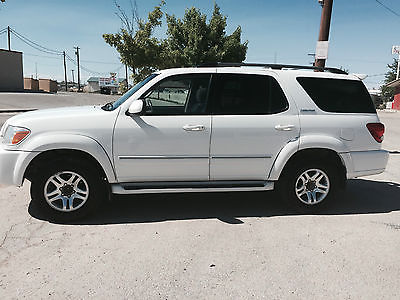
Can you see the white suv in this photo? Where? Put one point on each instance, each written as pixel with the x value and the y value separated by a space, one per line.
pixel 222 127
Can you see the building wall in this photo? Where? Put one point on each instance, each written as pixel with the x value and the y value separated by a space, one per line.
pixel 31 84
pixel 396 102
pixel 48 85
pixel 11 71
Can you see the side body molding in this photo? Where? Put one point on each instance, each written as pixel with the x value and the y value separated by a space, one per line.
pixel 309 142
pixel 67 141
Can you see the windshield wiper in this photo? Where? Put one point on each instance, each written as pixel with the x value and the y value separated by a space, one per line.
pixel 108 106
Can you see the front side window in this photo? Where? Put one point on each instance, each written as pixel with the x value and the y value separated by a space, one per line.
pixel 129 93
pixel 179 95
pixel 246 94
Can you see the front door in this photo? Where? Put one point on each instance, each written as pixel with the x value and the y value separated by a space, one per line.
pixel 251 123
pixel 170 142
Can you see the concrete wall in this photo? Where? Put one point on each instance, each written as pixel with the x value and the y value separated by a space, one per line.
pixel 11 71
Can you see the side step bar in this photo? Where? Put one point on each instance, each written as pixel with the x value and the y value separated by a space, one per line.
pixel 190 186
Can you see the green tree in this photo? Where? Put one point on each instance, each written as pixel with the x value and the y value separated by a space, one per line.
pixel 135 42
pixel 387 92
pixel 189 41
pixel 192 41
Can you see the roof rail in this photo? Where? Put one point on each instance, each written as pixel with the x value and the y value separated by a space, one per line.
pixel 273 66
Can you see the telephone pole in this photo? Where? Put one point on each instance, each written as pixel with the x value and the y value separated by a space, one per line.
pixel 73 78
pixel 9 37
pixel 324 27
pixel 79 73
pixel 126 75
pixel 65 73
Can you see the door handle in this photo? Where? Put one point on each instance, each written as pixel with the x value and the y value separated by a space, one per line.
pixel 284 127
pixel 194 127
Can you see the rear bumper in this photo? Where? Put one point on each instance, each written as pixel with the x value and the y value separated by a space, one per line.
pixel 363 163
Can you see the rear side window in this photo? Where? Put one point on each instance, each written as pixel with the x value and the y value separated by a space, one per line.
pixel 245 94
pixel 338 95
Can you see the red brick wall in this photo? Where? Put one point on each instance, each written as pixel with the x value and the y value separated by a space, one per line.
pixel 396 102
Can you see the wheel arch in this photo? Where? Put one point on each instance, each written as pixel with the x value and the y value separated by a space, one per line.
pixel 64 146
pixel 62 154
pixel 284 163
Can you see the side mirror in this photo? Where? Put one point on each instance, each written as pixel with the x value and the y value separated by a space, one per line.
pixel 135 108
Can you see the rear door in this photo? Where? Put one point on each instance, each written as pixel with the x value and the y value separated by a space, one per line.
pixel 251 122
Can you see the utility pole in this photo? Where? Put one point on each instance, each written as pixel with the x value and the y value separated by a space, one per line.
pixel 65 73
pixel 79 73
pixel 9 37
pixel 324 27
pixel 126 75
pixel 73 78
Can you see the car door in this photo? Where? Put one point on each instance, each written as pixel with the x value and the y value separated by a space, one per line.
pixel 251 122
pixel 170 141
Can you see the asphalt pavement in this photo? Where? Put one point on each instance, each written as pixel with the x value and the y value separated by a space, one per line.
pixel 210 246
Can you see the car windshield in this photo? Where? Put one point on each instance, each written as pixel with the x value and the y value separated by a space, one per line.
pixel 124 97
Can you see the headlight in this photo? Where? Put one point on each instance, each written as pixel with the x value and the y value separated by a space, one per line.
pixel 15 135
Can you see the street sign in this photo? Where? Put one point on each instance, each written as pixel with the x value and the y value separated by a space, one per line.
pixel 322 50
pixel 396 50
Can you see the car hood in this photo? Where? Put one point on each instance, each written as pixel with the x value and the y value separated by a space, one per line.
pixel 52 113
pixel 85 120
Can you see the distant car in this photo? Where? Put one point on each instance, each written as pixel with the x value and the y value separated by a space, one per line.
pixel 228 127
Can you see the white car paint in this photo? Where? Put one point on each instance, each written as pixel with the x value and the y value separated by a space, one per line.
pixel 158 148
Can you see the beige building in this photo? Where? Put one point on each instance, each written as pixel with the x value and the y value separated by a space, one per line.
pixel 11 71
pixel 48 85
pixel 31 84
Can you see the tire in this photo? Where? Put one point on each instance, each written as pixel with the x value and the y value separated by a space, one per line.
pixel 67 190
pixel 309 186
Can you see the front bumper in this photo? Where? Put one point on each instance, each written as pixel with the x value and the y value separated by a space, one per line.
pixel 13 164
pixel 363 163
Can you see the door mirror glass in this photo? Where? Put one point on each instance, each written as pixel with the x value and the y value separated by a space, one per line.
pixel 136 107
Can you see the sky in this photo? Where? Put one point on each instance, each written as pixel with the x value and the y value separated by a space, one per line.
pixel 361 37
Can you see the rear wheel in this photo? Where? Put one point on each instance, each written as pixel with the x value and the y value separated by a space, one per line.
pixel 67 191
pixel 308 186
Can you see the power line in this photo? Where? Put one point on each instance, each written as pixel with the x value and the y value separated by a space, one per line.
pixel 387 8
pixel 34 44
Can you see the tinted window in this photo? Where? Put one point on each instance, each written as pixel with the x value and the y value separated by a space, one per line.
pixel 338 95
pixel 242 94
pixel 179 95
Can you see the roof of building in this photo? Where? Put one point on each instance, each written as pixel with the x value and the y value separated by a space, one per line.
pixel 96 79
pixel 394 83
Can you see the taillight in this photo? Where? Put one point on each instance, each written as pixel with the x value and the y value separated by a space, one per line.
pixel 377 130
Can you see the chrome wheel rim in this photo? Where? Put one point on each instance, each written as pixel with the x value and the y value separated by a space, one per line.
pixel 66 191
pixel 312 186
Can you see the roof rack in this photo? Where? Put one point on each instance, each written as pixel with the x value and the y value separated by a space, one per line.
pixel 273 66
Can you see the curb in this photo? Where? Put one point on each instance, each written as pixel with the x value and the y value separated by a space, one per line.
pixel 7 111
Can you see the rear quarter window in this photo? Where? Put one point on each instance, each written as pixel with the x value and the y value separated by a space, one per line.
pixel 338 95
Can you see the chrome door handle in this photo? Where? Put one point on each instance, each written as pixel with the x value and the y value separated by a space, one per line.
pixel 284 127
pixel 194 127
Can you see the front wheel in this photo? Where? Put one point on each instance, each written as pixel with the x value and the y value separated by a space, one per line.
pixel 309 186
pixel 66 191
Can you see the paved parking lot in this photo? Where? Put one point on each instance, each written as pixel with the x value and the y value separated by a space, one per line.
pixel 214 246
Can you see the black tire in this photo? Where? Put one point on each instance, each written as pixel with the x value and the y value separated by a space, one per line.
pixel 290 181
pixel 96 190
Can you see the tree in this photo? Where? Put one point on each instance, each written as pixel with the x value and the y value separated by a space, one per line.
pixel 135 42
pixel 387 92
pixel 190 41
